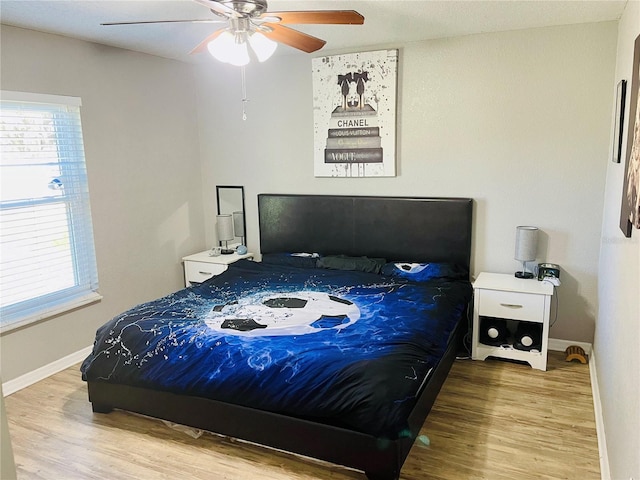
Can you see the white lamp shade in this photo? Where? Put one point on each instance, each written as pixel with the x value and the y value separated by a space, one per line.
pixel 220 46
pixel 229 48
pixel 262 46
pixel 526 243
pixel 239 54
pixel 238 224
pixel 224 227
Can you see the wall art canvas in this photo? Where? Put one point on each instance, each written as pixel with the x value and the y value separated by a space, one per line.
pixel 630 205
pixel 354 114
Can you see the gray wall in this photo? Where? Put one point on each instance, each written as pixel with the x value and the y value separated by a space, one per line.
pixel 139 123
pixel 519 121
pixel 617 335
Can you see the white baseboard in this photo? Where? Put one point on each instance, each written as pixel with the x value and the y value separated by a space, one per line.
pixel 558 345
pixel 605 472
pixel 41 373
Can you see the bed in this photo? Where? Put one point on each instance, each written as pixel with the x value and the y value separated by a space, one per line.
pixel 335 346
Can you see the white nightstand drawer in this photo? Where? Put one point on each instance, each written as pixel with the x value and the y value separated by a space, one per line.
pixel 202 266
pixel 198 272
pixel 512 305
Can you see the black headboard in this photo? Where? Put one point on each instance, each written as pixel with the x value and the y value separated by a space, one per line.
pixel 395 228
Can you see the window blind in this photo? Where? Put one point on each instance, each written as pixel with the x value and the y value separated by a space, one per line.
pixel 47 256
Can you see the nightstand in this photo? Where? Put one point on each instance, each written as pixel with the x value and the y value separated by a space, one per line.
pixel 200 266
pixel 506 300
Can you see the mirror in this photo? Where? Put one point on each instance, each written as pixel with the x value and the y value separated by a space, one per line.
pixel 230 200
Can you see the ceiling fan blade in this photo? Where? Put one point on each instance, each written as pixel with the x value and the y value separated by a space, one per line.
pixel 211 20
pixel 202 46
pixel 219 8
pixel 293 38
pixel 318 17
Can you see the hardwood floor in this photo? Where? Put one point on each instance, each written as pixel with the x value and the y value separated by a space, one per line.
pixel 492 420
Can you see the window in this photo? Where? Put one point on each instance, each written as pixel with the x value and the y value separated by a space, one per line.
pixel 47 257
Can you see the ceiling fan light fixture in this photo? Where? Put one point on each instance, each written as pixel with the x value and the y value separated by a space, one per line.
pixel 262 46
pixel 230 48
pixel 219 47
pixel 239 53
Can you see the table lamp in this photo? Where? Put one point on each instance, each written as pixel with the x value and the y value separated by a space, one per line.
pixel 526 248
pixel 224 227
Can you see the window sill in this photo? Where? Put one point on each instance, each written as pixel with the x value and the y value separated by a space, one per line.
pixel 50 312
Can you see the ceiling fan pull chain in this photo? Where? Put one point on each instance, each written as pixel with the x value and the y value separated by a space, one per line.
pixel 244 94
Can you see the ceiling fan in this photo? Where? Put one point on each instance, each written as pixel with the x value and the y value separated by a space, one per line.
pixel 249 22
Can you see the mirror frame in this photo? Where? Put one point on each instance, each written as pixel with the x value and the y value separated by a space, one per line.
pixel 219 188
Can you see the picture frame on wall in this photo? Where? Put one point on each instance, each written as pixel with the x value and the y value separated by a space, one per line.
pixel 621 93
pixel 354 114
pixel 630 204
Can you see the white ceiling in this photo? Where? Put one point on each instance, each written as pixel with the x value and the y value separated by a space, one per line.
pixel 386 21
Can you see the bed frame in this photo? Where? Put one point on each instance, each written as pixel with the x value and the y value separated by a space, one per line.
pixel 395 228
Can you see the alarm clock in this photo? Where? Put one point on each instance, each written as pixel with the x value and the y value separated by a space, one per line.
pixel 546 270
